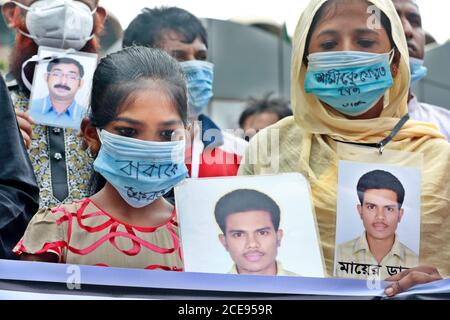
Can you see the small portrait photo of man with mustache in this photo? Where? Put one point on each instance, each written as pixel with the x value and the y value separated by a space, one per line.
pixel 65 105
pixel 388 207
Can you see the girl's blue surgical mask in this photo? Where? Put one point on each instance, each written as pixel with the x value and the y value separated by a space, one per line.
pixel 141 171
pixel 199 75
pixel 351 82
pixel 418 70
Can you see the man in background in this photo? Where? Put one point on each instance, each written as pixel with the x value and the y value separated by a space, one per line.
pixel 212 152
pixel 409 13
pixel 262 113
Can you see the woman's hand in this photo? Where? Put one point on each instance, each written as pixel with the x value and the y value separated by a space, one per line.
pixel 409 278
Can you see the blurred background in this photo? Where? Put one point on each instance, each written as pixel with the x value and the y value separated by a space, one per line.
pixel 434 12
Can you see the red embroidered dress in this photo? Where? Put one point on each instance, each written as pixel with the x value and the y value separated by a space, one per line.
pixel 82 233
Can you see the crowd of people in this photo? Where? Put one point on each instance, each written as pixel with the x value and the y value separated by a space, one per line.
pixel 81 196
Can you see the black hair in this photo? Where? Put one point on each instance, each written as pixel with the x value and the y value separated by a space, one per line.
pixel 147 28
pixel 120 75
pixel 267 104
pixel 385 22
pixel 378 180
pixel 244 200
pixel 57 61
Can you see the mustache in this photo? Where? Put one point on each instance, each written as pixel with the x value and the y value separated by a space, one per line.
pixel 61 86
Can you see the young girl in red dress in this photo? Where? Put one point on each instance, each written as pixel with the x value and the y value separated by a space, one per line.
pixel 135 131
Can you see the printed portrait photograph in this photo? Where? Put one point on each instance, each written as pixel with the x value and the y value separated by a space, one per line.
pixel 61 87
pixel 378 220
pixel 249 226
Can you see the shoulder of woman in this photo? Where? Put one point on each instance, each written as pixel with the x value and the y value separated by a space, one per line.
pixel 436 149
pixel 53 214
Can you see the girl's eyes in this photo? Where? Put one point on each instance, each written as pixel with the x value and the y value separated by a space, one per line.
pixel 167 135
pixel 126 132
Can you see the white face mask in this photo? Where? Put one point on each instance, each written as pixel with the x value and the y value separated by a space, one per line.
pixel 64 24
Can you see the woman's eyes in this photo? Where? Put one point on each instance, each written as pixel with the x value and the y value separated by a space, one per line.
pixel 328 45
pixel 361 43
pixel 126 132
pixel 365 43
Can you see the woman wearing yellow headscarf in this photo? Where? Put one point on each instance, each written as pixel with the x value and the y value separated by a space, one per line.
pixel 307 142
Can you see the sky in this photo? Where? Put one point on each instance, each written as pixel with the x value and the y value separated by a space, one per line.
pixel 434 12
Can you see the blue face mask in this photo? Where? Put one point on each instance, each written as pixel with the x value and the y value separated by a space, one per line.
pixel 199 76
pixel 141 171
pixel 418 70
pixel 349 81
